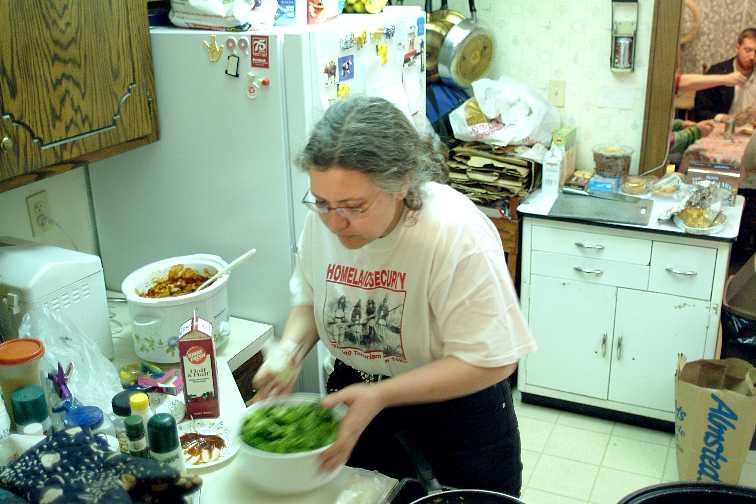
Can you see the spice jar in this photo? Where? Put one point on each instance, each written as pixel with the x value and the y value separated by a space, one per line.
pixel 137 442
pixel 121 410
pixel 30 407
pixel 140 405
pixel 164 441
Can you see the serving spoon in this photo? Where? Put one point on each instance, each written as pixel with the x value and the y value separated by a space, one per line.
pixel 233 264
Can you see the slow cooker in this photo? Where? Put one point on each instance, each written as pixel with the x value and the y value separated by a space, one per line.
pixel 156 321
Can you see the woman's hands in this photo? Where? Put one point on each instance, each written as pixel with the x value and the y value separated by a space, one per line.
pixel 364 402
pixel 271 381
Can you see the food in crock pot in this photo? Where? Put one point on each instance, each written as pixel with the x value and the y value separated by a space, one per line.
pixel 181 280
pixel 290 428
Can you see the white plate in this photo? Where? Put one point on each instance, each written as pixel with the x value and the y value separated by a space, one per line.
pixel 716 228
pixel 210 426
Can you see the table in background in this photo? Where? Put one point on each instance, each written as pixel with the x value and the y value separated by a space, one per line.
pixel 715 148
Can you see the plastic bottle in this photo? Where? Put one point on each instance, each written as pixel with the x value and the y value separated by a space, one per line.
pixel 29 406
pixel 121 410
pixel 90 417
pixel 137 442
pixel 164 441
pixel 140 405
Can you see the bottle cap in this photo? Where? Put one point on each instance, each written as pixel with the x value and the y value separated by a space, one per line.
pixel 162 433
pixel 120 403
pixel 134 426
pixel 84 416
pixel 29 405
pixel 139 402
pixel 20 351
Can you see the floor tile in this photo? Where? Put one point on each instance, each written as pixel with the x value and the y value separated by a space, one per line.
pixel 635 456
pixel 533 496
pixel 641 434
pixel 670 467
pixel 748 476
pixel 585 422
pixel 612 485
pixel 536 412
pixel 534 433
pixel 564 477
pixel 529 460
pixel 576 444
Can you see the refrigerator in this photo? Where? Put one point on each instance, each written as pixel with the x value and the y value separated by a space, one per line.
pixel 235 108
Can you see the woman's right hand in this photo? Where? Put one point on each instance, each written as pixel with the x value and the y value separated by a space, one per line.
pixel 279 372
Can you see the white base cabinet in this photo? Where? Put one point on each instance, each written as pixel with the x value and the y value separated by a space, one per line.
pixel 611 308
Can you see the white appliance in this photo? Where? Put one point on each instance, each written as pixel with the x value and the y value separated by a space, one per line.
pixel 222 178
pixel 33 276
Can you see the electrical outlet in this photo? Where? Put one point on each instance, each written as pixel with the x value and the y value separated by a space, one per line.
pixel 39 212
pixel 556 93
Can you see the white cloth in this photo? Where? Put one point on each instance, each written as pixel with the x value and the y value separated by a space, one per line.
pixel 745 95
pixel 436 286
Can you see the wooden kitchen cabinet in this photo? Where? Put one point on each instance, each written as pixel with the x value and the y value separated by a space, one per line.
pixel 611 308
pixel 76 84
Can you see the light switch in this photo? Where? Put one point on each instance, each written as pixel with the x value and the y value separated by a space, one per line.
pixel 556 93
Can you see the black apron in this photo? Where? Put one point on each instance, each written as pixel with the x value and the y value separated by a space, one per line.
pixel 470 442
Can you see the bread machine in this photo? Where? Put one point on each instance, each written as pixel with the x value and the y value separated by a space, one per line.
pixel 33 275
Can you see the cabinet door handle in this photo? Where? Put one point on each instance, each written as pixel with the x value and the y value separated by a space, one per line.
pixel 619 348
pixel 6 144
pixel 603 345
pixel 676 271
pixel 596 272
pixel 584 246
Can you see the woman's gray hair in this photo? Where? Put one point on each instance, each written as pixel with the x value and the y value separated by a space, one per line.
pixel 372 136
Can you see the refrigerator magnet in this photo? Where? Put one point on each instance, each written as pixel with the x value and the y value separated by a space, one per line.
pixel 253 89
pixel 360 40
pixel 232 65
pixel 231 44
pixel 329 71
pixel 389 31
pixel 342 90
pixel 346 42
pixel 346 68
pixel 260 51
pixel 214 51
pixel 382 51
pixel 421 26
pixel 243 45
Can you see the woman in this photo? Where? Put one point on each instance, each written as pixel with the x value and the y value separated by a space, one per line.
pixel 450 329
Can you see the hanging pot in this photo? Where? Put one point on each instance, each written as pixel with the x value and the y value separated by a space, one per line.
pixel 436 493
pixel 437 26
pixel 467 51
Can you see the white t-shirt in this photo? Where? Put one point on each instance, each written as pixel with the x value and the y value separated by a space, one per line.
pixel 436 286
pixel 745 95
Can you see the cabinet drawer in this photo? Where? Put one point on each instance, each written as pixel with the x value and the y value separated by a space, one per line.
pixel 593 245
pixel 632 276
pixel 682 270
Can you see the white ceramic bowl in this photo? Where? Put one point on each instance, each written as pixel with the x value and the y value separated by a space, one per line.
pixel 284 473
pixel 156 321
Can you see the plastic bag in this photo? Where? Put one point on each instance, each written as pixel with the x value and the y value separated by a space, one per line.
pixel 504 112
pixel 94 380
pixel 222 15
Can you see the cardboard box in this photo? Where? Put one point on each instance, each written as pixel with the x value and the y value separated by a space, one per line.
pixel 715 415
pixel 565 139
pixel 198 368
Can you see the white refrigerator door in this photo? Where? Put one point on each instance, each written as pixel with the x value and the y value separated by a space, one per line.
pixel 218 181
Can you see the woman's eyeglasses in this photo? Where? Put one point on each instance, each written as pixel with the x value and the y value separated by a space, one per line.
pixel 322 208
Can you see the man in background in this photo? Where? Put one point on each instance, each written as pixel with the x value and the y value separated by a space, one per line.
pixel 718 102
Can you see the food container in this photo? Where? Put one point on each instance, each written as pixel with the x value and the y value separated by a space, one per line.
pixel 156 321
pixel 284 473
pixel 612 160
pixel 670 186
pixel 19 366
pixel 700 221
pixel 636 185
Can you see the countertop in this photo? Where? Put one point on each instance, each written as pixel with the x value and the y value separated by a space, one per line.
pixel 222 483
pixel 538 204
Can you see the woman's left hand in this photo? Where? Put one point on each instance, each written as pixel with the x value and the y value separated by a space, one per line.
pixel 364 404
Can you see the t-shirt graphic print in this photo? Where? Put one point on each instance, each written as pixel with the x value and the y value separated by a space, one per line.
pixel 362 312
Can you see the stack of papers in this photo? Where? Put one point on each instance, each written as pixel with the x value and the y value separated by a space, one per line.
pixel 488 174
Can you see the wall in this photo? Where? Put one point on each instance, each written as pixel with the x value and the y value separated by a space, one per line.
pixel 70 206
pixel 721 21
pixel 569 40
